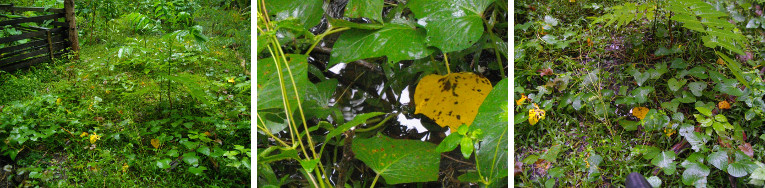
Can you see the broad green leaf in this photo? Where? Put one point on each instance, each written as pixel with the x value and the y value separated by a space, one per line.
pixel 469 177
pixel 452 25
pixel 698 72
pixel 665 161
pixel 671 105
pixel 737 169
pixel 695 173
pixel 640 78
pixel 359 119
pixel 641 93
pixel 308 12
pixel 317 99
pixel 749 114
pixel 396 42
pixel 164 163
pixel 197 170
pixel 269 92
pixel 730 87
pixel 398 160
pixel 655 120
pixel 309 165
pixel 191 158
pixel 719 160
pixel 449 143
pixel 706 111
pixel 492 117
pixel 337 23
pixel 365 9
pixel 697 87
pixel 284 154
pixel 675 85
pixel 654 181
pixel 551 153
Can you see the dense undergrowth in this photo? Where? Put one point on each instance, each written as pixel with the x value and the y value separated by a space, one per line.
pixel 672 90
pixel 160 96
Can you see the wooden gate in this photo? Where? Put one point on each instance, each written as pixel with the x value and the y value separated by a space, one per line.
pixel 25 41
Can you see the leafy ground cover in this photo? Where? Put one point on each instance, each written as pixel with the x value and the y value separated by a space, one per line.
pixel 159 97
pixel 672 90
pixel 364 93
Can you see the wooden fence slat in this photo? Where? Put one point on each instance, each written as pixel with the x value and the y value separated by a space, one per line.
pixel 56 38
pixel 9 7
pixel 27 35
pixel 27 63
pixel 38 19
pixel 41 51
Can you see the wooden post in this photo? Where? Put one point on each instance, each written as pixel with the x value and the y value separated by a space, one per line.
pixel 70 18
pixel 50 45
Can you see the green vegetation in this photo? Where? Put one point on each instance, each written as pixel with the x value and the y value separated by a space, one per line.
pixel 160 97
pixel 338 84
pixel 672 90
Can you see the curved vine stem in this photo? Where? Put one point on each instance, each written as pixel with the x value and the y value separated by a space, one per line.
pixel 446 59
pixel 374 181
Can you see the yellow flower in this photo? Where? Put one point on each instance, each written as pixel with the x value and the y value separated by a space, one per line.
pixel 231 80
pixel 58 101
pixel 94 137
pixel 84 134
pixel 521 100
pixel 536 115
pixel 669 132
pixel 125 167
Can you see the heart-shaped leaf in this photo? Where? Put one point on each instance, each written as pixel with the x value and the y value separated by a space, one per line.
pixel 675 85
pixel 452 25
pixel 451 100
pixel 395 41
pixel 492 155
pixel 697 87
pixel 398 160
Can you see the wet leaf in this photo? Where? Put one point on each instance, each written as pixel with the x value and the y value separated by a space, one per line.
pixel 730 87
pixel 641 93
pixel 191 158
pixel 197 170
pixel 640 78
pixel 466 147
pixel 654 181
pixel 269 93
pixel 309 13
pixel 164 163
pixel 675 85
pixel 697 87
pixel 309 165
pixel 665 161
pixel 451 100
pixel 452 25
pixel 449 143
pixel 719 160
pixel 695 172
pixel 640 112
pixel 398 160
pixel 395 41
pixel 492 153
pixel 364 9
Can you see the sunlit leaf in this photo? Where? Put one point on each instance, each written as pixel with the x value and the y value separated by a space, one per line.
pixel 452 25
pixel 395 41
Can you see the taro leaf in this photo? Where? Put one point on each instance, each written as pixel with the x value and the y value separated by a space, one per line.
pixel 451 100
pixel 359 119
pixel 719 160
pixel 697 87
pixel 269 90
pixel 399 160
pixel 641 93
pixel 452 25
pixel 395 41
pixel 730 87
pixel 675 85
pixel 308 12
pixel 364 9
pixel 665 162
pixel 491 157
pixel 695 172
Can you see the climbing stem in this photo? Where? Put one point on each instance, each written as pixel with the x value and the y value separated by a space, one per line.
pixel 378 124
pixel 446 59
pixel 374 181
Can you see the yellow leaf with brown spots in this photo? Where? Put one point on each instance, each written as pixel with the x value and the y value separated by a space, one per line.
pixel 155 143
pixel 723 105
pixel 451 100
pixel 640 112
